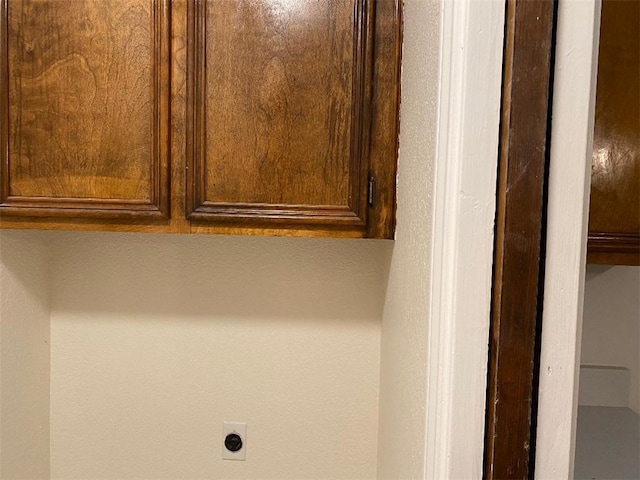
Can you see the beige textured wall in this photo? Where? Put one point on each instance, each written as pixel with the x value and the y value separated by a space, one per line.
pixel 158 339
pixel 24 356
pixel 611 322
pixel 401 447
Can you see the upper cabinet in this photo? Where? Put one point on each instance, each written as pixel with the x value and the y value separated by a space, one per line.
pixel 224 116
pixel 614 218
pixel 85 105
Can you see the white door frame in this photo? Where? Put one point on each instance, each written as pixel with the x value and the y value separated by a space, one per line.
pixel 569 186
pixel 462 248
pixel 462 253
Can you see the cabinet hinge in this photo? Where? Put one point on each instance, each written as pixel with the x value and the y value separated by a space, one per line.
pixel 371 194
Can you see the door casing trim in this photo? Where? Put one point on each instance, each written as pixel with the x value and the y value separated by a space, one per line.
pixel 567 222
pixel 462 247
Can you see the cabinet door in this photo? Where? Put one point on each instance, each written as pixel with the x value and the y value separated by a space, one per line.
pixel 84 106
pixel 281 107
pixel 614 216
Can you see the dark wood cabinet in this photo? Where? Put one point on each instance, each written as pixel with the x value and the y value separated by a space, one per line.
pixel 227 116
pixel 85 108
pixel 614 218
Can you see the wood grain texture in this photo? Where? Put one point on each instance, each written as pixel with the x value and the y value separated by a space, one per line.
pixel 315 183
pixel 178 222
pixel 385 126
pixel 614 215
pixel 519 238
pixel 288 144
pixel 85 107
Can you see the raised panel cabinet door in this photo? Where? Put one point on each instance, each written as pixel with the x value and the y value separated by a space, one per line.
pixel 282 102
pixel 85 108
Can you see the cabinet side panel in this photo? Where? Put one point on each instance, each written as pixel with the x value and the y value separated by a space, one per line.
pixel 84 104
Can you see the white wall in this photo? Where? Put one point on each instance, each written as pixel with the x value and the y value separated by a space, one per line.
pixel 401 438
pixel 611 322
pixel 24 356
pixel 158 339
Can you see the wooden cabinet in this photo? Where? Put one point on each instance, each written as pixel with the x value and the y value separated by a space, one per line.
pixel 85 108
pixel 614 219
pixel 232 116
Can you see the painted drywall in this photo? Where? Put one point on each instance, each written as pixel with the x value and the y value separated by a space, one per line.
pixel 611 322
pixel 24 356
pixel 403 360
pixel 604 386
pixel 158 339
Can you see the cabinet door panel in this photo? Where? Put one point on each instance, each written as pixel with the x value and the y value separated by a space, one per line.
pixel 85 107
pixel 614 216
pixel 279 110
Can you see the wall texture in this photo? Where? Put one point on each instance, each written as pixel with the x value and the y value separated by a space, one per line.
pixel 401 447
pixel 611 322
pixel 158 339
pixel 24 356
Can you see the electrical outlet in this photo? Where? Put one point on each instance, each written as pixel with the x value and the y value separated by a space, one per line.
pixel 234 441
